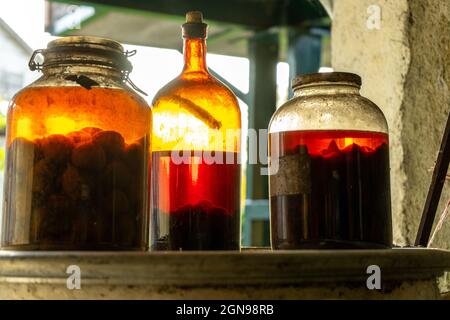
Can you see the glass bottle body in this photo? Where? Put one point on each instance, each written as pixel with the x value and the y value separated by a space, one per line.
pixel 77 164
pixel 196 160
pixel 329 185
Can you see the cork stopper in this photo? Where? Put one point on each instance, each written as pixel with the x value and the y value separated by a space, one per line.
pixel 194 27
pixel 194 17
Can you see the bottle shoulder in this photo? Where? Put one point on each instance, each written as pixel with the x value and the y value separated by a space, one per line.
pixel 324 112
pixel 206 88
pixel 195 103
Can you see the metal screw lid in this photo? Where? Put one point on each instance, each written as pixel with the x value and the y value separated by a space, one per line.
pixel 313 78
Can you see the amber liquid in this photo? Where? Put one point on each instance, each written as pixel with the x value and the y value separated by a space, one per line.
pixel 345 201
pixel 77 170
pixel 196 205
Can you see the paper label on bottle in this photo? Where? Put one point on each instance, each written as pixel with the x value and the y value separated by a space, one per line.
pixel 293 175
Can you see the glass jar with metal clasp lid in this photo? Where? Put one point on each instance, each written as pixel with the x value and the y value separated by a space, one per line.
pixel 78 145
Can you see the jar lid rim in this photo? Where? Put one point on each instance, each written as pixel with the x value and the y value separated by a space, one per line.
pixel 85 41
pixel 326 77
pixel 83 50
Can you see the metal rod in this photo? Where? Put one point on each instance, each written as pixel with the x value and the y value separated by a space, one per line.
pixel 435 190
pixel 241 95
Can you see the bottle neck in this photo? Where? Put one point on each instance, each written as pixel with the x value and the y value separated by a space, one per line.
pixel 326 88
pixel 194 50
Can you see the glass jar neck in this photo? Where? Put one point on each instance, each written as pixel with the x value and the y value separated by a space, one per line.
pixel 326 88
pixel 194 50
pixel 82 69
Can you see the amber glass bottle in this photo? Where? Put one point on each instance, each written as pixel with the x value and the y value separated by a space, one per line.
pixel 78 152
pixel 196 156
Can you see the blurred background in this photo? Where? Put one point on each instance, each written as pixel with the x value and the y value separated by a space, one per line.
pixel 254 47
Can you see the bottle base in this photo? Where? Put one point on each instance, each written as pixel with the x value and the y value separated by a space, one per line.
pixel 164 246
pixel 330 244
pixel 65 247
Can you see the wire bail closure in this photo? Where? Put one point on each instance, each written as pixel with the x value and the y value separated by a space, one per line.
pixel 126 79
pixel 126 73
pixel 130 53
pixel 32 64
pixel 127 67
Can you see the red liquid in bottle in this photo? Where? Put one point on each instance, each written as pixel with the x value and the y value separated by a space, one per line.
pixel 195 204
pixel 339 197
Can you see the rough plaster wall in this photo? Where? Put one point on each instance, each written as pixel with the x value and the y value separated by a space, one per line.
pixel 425 107
pixel 382 58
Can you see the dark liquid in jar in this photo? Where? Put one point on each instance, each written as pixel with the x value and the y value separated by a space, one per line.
pixel 87 191
pixel 339 196
pixel 195 205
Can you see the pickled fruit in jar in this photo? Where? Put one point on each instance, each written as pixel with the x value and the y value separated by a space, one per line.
pixel 205 216
pixel 81 188
pixel 330 189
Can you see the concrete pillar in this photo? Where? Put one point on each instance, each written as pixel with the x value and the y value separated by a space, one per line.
pixel 263 54
pixel 401 49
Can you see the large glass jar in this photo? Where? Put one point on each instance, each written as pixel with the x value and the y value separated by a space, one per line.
pixel 329 167
pixel 78 144
pixel 195 147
